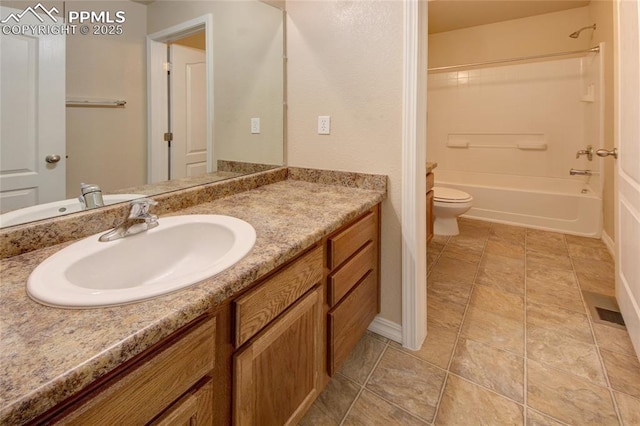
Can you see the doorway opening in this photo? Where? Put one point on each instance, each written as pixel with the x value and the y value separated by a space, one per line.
pixel 180 102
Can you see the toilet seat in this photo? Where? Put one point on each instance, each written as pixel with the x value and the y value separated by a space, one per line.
pixel 450 195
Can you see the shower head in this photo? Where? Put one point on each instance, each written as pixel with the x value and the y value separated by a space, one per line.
pixel 576 34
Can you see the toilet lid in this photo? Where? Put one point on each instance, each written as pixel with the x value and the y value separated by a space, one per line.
pixel 450 195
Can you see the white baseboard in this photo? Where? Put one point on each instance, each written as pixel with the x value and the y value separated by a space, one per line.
pixel 608 241
pixel 630 312
pixel 386 328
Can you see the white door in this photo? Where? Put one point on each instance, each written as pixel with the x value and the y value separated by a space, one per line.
pixel 628 167
pixel 188 112
pixel 32 116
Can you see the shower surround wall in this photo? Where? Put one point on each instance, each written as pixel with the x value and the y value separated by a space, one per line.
pixel 518 127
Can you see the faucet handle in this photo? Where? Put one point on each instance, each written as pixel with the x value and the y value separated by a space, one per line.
pixel 588 152
pixel 140 207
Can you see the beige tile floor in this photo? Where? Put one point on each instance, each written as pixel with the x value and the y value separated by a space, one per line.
pixel 509 342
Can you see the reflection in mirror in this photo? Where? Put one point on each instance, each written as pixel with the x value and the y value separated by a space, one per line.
pixel 228 125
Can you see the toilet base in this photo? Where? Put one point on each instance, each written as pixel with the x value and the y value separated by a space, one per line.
pixel 446 226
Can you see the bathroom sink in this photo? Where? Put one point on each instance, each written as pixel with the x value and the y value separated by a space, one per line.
pixel 181 251
pixel 56 208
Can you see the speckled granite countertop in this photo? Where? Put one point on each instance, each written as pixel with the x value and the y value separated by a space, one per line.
pixel 48 354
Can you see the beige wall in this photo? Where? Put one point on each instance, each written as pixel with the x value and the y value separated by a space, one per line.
pixel 249 82
pixel 345 60
pixel 509 39
pixel 107 146
pixel 539 35
pixel 248 73
pixel 601 12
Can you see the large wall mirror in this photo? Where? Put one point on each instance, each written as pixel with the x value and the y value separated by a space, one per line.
pixel 136 97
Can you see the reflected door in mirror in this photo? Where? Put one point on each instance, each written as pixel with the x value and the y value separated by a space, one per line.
pixel 188 112
pixel 32 123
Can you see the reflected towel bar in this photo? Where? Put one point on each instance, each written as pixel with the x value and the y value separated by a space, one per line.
pixel 526 146
pixel 107 103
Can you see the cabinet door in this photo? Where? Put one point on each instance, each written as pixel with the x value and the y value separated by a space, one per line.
pixel 277 375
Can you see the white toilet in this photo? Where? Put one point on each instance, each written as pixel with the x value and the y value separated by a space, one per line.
pixel 448 204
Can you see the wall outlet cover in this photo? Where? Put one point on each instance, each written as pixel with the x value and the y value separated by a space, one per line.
pixel 324 125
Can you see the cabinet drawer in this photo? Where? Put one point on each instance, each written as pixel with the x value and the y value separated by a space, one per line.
pixel 193 409
pixel 349 320
pixel 430 181
pixel 341 281
pixel 344 244
pixel 257 308
pixel 138 396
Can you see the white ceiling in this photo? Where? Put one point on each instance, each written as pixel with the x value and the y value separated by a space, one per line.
pixel 448 15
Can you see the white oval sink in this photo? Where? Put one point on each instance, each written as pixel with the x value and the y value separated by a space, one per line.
pixel 56 208
pixel 181 251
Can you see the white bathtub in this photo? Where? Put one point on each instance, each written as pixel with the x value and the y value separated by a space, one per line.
pixel 553 204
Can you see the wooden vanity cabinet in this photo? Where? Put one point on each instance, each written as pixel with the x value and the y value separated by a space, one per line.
pixel 430 217
pixel 292 332
pixel 353 285
pixel 262 358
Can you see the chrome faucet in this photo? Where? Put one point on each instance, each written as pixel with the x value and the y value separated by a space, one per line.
pixel 90 196
pixel 574 172
pixel 139 220
pixel 588 152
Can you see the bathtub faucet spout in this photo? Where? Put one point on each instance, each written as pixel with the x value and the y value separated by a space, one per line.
pixel 574 172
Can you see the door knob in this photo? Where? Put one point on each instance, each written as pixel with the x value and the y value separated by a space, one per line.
pixel 51 159
pixel 605 153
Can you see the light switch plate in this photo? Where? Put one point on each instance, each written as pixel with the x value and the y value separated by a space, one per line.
pixel 255 125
